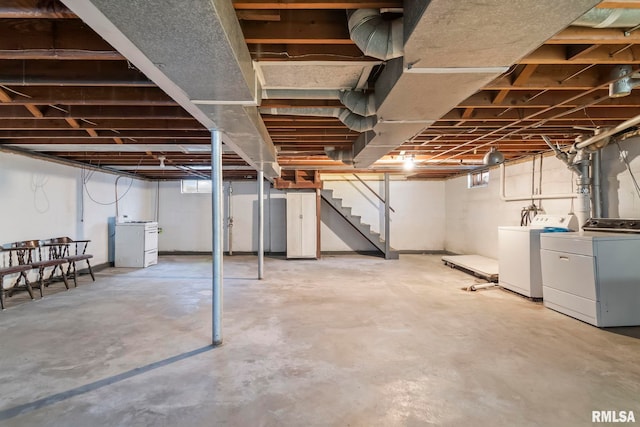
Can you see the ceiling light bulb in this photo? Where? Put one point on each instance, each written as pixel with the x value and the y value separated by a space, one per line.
pixel 408 163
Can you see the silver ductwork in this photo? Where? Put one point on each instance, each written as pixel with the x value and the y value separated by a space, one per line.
pixel 442 65
pixel 363 104
pixel 375 36
pixel 351 120
pixel 609 18
pixel 344 156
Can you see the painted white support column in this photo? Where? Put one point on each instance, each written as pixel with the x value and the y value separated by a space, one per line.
pixel 216 227
pixel 260 224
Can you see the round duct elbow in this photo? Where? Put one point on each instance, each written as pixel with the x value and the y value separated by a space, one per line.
pixel 356 122
pixel 359 102
pixel 375 36
pixel 609 18
pixel 344 156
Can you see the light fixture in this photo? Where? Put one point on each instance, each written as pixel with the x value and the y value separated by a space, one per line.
pixel 408 163
pixel 624 83
pixel 162 159
pixel 493 157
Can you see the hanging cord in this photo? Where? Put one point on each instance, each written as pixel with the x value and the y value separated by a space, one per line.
pixel 87 178
pixel 529 212
pixel 37 185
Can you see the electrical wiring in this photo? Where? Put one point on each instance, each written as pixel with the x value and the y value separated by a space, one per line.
pixel 86 177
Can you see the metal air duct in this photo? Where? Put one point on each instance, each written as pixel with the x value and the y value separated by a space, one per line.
pixel 444 62
pixel 359 102
pixel 344 156
pixel 351 120
pixel 375 36
pixel 609 18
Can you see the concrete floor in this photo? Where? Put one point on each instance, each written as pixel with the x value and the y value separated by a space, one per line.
pixel 345 341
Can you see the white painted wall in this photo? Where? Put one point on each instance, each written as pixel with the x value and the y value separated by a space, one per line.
pixel 417 223
pixel 473 215
pixel 185 219
pixel 42 200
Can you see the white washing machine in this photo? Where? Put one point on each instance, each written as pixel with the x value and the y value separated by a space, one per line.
pixel 519 253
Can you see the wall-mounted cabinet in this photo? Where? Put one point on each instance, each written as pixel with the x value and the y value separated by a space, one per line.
pixel 302 225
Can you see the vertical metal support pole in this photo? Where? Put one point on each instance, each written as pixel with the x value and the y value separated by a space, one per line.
pixel 216 228
pixel 387 218
pixel 260 224
pixel 597 181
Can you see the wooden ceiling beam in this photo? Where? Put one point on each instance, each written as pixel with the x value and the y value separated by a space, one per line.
pixel 106 124
pixel 584 35
pixel 84 139
pixel 147 96
pixel 59 35
pixel 93 112
pixel 587 114
pixel 300 27
pixel 555 77
pixel 70 73
pixel 9 135
pixel 588 54
pixel 30 9
pixel 60 54
pixel 606 4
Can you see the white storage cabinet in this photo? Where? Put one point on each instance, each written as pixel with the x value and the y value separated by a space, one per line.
pixel 302 225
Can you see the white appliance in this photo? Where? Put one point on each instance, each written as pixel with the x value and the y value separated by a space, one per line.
pixel 594 275
pixel 519 253
pixel 136 244
pixel 302 225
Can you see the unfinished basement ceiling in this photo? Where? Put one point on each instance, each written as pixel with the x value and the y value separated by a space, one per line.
pixel 66 92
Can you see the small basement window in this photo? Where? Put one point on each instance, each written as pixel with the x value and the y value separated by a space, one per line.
pixel 195 186
pixel 478 179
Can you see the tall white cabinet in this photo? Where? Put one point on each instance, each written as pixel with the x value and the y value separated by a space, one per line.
pixel 136 244
pixel 302 224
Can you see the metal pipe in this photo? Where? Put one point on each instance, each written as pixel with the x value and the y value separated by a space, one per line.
pixel 230 219
pixel 607 133
pixel 373 191
pixel 260 224
pixel 532 196
pixel 583 212
pixel 387 218
pixel 596 175
pixel 216 228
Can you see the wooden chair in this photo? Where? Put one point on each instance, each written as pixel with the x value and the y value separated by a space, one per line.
pixel 29 252
pixel 59 248
pixel 11 269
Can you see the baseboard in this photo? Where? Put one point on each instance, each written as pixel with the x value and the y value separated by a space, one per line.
pixel 225 253
pixel 423 252
pixel 368 253
pixel 328 253
pixel 97 267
